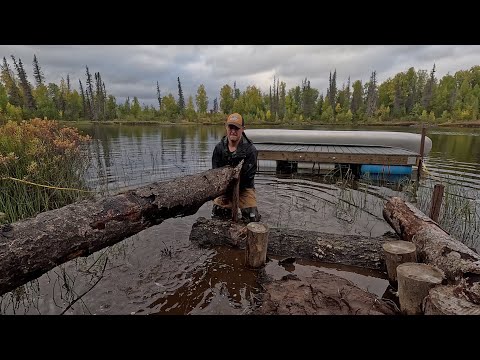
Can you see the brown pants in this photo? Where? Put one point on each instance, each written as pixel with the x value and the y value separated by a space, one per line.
pixel 247 199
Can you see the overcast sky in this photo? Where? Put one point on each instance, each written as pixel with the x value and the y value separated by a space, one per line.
pixel 133 70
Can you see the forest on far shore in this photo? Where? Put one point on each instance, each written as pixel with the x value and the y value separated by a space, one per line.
pixel 409 96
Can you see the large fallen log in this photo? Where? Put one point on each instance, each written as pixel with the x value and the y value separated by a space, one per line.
pixel 434 245
pixel 331 248
pixel 31 247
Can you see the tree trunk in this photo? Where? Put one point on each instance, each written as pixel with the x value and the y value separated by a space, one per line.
pixel 414 282
pixel 31 247
pixel 447 300
pixel 434 245
pixel 331 248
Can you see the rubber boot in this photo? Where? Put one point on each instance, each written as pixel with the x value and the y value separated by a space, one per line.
pixel 251 214
pixel 219 212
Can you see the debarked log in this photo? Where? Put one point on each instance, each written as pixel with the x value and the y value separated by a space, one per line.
pixel 434 245
pixel 33 246
pixel 351 250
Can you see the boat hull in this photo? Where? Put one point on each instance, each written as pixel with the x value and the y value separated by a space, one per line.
pixel 403 140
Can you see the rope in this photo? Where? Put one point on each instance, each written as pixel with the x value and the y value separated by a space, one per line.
pixel 45 186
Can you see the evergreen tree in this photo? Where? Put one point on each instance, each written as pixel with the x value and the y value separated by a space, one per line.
pixel 84 100
pixel 37 72
pixel 372 96
pixel 236 91
pixel 332 89
pixel 428 91
pixel 357 97
pixel 181 99
pixel 159 97
pixel 68 84
pixel 24 84
pixel 89 96
pixel 8 77
pixel 281 101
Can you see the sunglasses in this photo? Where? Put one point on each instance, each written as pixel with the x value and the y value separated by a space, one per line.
pixel 233 127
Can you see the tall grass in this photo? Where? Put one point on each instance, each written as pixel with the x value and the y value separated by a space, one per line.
pixel 40 152
pixel 459 213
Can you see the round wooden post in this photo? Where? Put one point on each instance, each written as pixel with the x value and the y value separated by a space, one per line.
pixel 414 282
pixel 396 253
pixel 256 245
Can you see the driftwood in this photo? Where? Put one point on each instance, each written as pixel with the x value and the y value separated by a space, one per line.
pixel 330 248
pixel 31 247
pixel 434 245
pixel 320 294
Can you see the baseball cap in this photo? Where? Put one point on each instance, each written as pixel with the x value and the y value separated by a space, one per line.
pixel 235 119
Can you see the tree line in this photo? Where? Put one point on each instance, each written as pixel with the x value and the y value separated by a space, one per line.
pixel 412 95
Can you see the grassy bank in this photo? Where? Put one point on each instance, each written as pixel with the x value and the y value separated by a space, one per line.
pixel 41 167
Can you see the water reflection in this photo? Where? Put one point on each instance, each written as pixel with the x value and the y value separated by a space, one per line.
pixel 158 271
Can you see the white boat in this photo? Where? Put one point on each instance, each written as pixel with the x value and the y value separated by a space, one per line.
pixel 402 140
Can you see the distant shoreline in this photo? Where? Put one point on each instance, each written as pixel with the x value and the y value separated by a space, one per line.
pixel 472 124
pixel 459 124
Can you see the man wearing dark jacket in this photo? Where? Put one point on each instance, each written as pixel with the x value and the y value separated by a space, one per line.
pixel 233 148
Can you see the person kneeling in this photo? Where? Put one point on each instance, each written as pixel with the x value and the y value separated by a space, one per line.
pixel 234 147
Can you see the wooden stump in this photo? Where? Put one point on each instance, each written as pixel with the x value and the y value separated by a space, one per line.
pixel 396 253
pixel 414 282
pixel 443 300
pixel 256 245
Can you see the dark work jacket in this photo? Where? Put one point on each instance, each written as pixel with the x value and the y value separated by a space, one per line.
pixel 246 151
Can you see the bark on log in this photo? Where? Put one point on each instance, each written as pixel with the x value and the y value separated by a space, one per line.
pixel 449 300
pixel 256 245
pixel 396 253
pixel 31 247
pixel 414 282
pixel 331 248
pixel 319 294
pixel 434 245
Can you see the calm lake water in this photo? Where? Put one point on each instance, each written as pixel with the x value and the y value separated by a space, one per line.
pixel 159 271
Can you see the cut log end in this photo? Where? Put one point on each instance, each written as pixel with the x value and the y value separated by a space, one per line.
pixel 421 272
pixel 396 253
pixel 258 228
pixel 399 247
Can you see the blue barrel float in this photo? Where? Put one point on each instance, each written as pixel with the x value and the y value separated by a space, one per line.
pixel 390 172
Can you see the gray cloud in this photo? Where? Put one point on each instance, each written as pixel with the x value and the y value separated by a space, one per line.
pixel 133 70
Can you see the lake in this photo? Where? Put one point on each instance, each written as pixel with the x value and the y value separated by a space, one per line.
pixel 159 271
